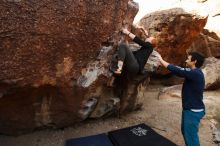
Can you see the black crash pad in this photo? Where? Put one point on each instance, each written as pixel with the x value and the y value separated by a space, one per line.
pixel 94 140
pixel 139 135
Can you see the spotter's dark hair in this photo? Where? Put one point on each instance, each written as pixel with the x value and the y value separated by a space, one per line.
pixel 198 57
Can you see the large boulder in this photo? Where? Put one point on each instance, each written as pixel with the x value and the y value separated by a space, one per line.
pixel 207 43
pixel 176 31
pixel 209 8
pixel 54 59
pixel 211 69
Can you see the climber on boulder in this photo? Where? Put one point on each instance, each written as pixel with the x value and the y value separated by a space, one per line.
pixel 132 62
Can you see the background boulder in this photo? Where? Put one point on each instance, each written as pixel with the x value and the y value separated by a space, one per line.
pixel 176 31
pixel 207 43
pixel 211 69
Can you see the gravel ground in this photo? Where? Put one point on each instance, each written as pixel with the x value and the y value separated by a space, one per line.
pixel 162 115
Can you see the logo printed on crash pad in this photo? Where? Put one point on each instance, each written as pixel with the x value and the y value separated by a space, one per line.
pixel 139 131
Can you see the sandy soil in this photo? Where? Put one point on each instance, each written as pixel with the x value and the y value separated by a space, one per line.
pixel 162 115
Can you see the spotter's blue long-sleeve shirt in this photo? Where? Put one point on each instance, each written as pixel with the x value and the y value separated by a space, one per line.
pixel 193 86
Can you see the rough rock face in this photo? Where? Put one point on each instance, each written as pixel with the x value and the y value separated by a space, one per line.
pixel 54 58
pixel 208 44
pixel 211 69
pixel 211 34
pixel 176 31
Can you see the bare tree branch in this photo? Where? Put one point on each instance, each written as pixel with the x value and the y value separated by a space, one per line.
pixel 218 14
